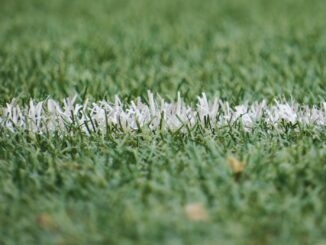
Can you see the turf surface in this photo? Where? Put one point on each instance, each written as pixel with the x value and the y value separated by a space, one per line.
pixel 136 187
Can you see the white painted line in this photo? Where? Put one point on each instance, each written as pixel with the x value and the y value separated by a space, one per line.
pixel 157 114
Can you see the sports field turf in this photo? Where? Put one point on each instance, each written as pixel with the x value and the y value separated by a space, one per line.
pixel 204 184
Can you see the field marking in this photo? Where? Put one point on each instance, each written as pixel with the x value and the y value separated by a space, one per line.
pixel 156 114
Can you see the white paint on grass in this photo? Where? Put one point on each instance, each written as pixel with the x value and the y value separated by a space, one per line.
pixel 157 114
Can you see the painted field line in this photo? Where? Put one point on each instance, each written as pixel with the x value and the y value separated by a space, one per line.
pixel 156 114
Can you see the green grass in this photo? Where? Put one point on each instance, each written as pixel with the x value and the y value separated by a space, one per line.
pixel 133 188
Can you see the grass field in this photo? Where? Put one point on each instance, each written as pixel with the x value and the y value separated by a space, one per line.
pixel 226 185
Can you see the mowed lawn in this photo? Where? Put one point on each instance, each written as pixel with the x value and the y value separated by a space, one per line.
pixel 222 186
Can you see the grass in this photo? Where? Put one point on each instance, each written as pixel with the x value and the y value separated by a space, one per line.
pixel 134 188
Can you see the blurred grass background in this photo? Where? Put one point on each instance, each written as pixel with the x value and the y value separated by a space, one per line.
pixel 237 50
